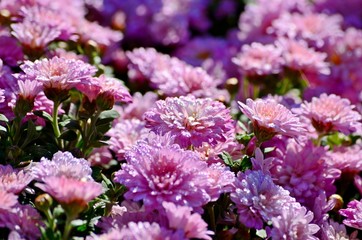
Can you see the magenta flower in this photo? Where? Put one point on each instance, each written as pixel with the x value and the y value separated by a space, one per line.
pixel 145 230
pixel 10 51
pixel 332 230
pixel 62 164
pixel 329 113
pixel 29 89
pixel 303 171
pixel 294 223
pixel 71 192
pixel 181 218
pixel 259 60
pixel 158 174
pixel 258 199
pixel 353 214
pixel 346 159
pixel 270 118
pixel 13 180
pixel 140 104
pixel 191 120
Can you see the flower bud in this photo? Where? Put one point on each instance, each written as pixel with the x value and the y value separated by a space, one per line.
pixel 43 202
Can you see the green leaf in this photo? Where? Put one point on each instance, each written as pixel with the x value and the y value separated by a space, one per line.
pixel 43 115
pixel 225 156
pixel 111 114
pixel 69 135
pixel 3 118
pixel 244 138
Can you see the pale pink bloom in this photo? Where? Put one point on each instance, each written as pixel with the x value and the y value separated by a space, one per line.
pixel 258 59
pixel 13 180
pixel 33 35
pixel 332 230
pixel 57 73
pixel 180 217
pixel 7 200
pixel 29 89
pixel 146 230
pixel 105 87
pixel 270 118
pixel 70 191
pixel 192 120
pixel 346 158
pixel 298 56
pixel 329 113
pixel 140 104
pixel 315 28
pixel 100 157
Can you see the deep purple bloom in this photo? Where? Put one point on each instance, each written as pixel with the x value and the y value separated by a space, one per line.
pixel 191 120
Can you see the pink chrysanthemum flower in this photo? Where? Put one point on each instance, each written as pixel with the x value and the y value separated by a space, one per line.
pixel 34 35
pixel 315 28
pixel 29 89
pixel 57 73
pixel 8 200
pixel 181 218
pixel 353 214
pixel 171 76
pixel 105 90
pixel 259 60
pixel 294 223
pixel 71 192
pixel 124 135
pixel 62 164
pixel 303 171
pixel 329 113
pixel 270 118
pixel 13 180
pixel 298 56
pixel 346 159
pixel 146 230
pixel 258 199
pixel 24 221
pixel 191 120
pixel 159 174
pixel 332 230
pixel 140 104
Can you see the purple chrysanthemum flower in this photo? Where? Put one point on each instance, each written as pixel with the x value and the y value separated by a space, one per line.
pixel 13 180
pixel 62 164
pixel 258 199
pixel 294 223
pixel 124 135
pixel 298 56
pixel 346 159
pixel 191 120
pixel 304 172
pixel 146 230
pixel 328 113
pixel 353 214
pixel 70 191
pixel 191 224
pixel 57 73
pixel 259 60
pixel 270 118
pixel 24 222
pixel 159 174
pixel 10 51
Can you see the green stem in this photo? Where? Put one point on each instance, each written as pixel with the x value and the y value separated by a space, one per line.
pixel 211 212
pixel 56 124
pixel 67 228
pixel 89 131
